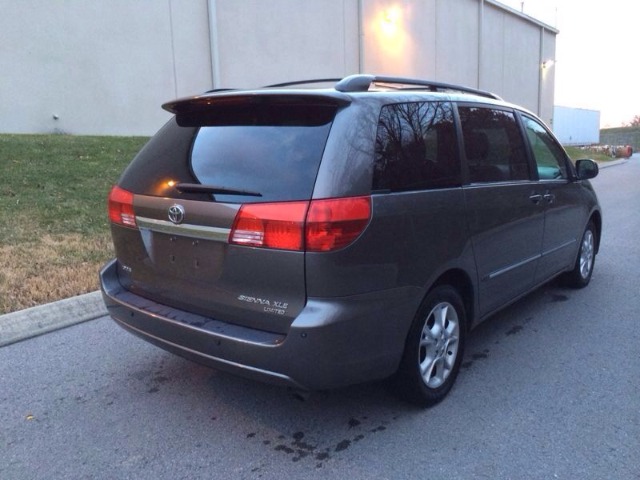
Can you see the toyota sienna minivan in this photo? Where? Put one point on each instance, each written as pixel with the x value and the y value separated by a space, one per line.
pixel 321 237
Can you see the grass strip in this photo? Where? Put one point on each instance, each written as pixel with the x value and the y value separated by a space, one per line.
pixel 54 232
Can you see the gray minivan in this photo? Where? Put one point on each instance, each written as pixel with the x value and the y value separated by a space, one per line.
pixel 321 237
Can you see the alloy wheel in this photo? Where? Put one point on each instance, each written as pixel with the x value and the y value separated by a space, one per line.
pixel 439 344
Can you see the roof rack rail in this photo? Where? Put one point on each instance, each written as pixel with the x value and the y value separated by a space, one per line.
pixel 362 83
pixel 217 90
pixel 304 82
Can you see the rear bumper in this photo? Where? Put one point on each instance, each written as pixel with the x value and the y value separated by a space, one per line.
pixel 332 343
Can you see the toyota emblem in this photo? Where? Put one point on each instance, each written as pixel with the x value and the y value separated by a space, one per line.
pixel 176 214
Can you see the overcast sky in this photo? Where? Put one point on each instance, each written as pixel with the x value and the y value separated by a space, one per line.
pixel 597 54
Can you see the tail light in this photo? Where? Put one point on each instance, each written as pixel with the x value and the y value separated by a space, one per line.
pixel 316 226
pixel 270 225
pixel 121 207
pixel 335 223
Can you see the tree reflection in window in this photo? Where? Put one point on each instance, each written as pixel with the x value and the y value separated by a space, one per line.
pixel 416 147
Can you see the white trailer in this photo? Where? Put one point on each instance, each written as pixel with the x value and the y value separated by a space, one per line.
pixel 576 126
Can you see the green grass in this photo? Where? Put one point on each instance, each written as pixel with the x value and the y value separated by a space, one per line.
pixel 53 217
pixel 58 183
pixel 576 153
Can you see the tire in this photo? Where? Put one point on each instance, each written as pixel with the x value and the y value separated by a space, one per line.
pixel 434 348
pixel 580 276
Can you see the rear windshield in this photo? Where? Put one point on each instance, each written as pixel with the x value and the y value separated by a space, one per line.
pixel 273 153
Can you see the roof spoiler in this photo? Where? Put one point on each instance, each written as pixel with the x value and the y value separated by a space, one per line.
pixel 206 102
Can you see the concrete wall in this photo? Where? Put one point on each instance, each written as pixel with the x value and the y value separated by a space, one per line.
pixel 101 67
pixel 260 42
pixel 106 66
pixel 511 56
pixel 476 43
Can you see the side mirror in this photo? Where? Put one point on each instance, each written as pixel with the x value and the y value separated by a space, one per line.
pixel 586 169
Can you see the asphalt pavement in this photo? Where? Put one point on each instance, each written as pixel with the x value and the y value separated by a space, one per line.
pixel 35 321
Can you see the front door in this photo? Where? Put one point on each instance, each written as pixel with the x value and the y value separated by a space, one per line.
pixel 565 213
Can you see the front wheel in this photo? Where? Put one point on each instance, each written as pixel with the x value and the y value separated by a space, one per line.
pixel 580 276
pixel 434 348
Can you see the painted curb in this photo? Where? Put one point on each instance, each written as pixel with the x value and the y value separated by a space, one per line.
pixel 34 321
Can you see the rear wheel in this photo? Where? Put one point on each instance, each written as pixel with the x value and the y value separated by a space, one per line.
pixel 580 276
pixel 434 348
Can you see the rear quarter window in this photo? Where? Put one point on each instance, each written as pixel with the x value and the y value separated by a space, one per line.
pixel 416 147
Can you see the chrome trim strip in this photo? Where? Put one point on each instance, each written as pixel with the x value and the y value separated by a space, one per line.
pixel 560 247
pixel 185 229
pixel 502 271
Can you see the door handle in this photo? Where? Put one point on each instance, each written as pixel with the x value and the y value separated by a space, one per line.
pixel 535 198
pixel 549 197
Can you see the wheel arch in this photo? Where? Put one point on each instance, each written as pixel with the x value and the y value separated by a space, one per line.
pixel 461 281
pixel 596 218
pixel 409 380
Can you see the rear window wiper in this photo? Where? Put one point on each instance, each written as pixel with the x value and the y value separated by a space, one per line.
pixel 213 189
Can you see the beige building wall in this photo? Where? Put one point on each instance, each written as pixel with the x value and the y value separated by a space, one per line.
pixel 263 42
pixel 99 66
pixel 106 66
pixel 478 43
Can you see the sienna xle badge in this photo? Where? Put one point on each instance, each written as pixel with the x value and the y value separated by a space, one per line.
pixel 317 238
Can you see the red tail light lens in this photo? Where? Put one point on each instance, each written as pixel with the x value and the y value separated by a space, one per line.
pixel 335 223
pixel 270 225
pixel 121 207
pixel 318 226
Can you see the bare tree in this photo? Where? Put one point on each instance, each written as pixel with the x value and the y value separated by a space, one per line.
pixel 635 122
